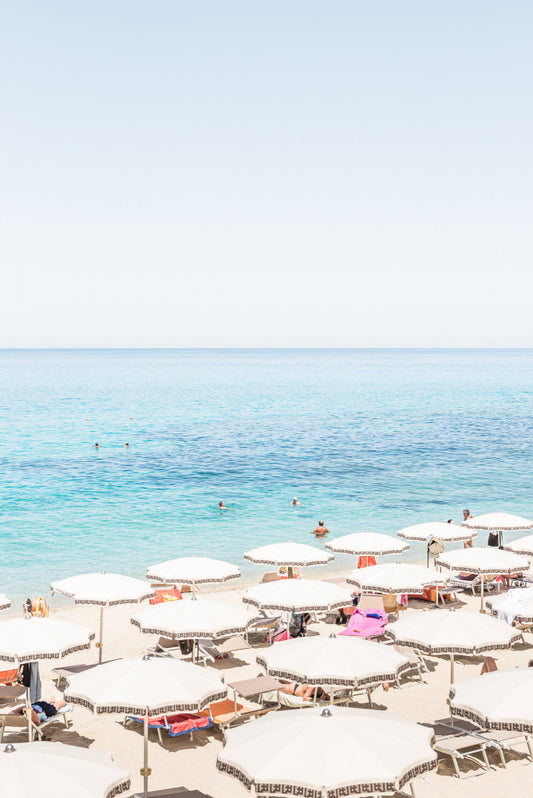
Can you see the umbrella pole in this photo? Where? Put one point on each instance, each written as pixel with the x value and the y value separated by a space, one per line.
pixel 482 592
pixel 99 644
pixel 145 770
pixel 28 715
pixel 452 669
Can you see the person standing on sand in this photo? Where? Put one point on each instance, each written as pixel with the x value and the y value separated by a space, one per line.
pixel 320 530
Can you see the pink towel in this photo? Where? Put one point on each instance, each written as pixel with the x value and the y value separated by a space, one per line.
pixel 360 625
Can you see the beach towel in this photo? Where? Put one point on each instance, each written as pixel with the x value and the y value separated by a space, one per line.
pixel 368 623
pixel 176 725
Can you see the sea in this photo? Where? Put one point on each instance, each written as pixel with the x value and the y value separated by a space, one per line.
pixel 366 439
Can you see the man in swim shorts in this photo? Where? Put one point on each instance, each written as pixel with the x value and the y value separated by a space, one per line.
pixel 320 530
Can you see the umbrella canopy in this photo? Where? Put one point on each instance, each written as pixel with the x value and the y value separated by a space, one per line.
pixel 104 590
pixel 133 686
pixel 4 602
pixel 516 605
pixel 499 522
pixel 396 578
pixel 436 529
pixel 325 753
pixel 59 770
pixel 298 595
pixel 145 687
pixel 497 700
pixel 448 631
pixel 343 662
pixel 288 554
pixel 193 571
pixel 186 620
pixel 483 560
pixel 521 546
pixel 29 639
pixel 366 543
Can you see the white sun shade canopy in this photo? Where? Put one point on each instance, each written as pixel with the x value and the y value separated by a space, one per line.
pixel 28 639
pixel 521 546
pixel 4 602
pixel 299 595
pixel 193 571
pixel 499 522
pixel 288 553
pixel 497 700
pixel 396 578
pixel 483 560
pixel 367 543
pixel 342 662
pixel 60 770
pixel 329 752
pixel 103 589
pixel 451 632
pixel 131 686
pixel 516 605
pixel 192 619
pixel 436 529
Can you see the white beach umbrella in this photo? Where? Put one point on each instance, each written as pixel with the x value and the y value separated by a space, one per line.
pixel 193 571
pixel 521 546
pixel 56 769
pixel 189 620
pixel 451 632
pixel 4 602
pixel 483 560
pixel 325 753
pixel 498 522
pixel 497 700
pixel 340 662
pixel 396 578
pixel 366 543
pixel 436 529
pixel 288 553
pixel 298 595
pixel 145 687
pixel 516 605
pixel 103 590
pixel 29 639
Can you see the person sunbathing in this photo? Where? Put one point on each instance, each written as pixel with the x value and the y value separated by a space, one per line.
pixel 305 691
pixel 41 710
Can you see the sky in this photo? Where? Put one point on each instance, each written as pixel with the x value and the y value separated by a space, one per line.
pixel 299 173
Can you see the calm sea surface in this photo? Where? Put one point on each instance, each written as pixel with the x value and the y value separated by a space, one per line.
pixel 366 439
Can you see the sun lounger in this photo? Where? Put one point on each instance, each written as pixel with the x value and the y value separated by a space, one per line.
pixel 499 739
pixel 209 651
pixel 174 792
pixel 224 713
pixel 271 576
pixel 460 746
pixel 10 694
pixel 9 677
pixel 370 602
pixel 361 624
pixel 175 725
pixel 264 626
pixel 416 661
pixel 16 721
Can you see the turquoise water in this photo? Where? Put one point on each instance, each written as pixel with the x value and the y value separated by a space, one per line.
pixel 366 439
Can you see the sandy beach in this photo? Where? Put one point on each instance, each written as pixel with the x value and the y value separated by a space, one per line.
pixel 180 761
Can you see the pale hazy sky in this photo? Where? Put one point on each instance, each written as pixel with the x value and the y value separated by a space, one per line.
pixel 282 173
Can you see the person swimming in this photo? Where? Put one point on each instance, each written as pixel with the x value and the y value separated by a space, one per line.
pixel 295 502
pixel 96 445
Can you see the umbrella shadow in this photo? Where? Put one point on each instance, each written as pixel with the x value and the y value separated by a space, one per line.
pixel 69 737
pixel 184 742
pixel 224 663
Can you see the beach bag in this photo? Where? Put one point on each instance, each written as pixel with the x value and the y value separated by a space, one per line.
pixel 435 547
pixel 495 539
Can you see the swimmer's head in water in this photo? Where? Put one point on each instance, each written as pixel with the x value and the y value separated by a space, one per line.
pixel 126 445
pixel 96 445
pixel 221 504
pixel 320 523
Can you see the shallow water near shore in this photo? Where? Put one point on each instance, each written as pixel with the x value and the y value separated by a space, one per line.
pixel 366 439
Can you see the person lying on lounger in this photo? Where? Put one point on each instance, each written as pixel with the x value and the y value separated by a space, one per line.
pixel 305 691
pixel 42 710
